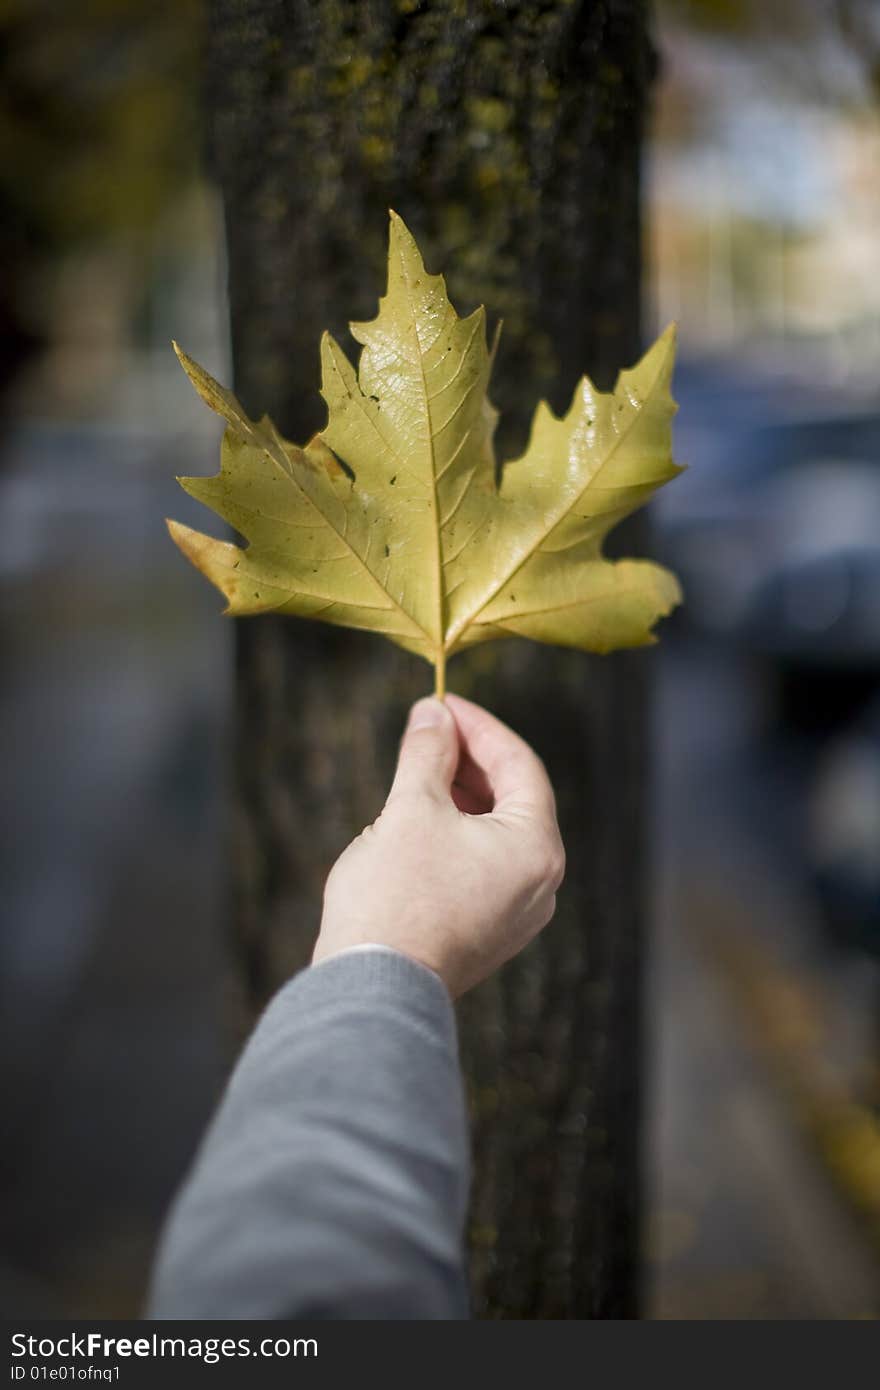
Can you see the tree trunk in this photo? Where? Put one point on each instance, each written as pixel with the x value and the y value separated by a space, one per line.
pixel 508 137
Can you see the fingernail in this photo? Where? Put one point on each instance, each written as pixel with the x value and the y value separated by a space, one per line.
pixel 427 713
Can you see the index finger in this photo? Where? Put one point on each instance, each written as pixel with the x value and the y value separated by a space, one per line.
pixel 514 771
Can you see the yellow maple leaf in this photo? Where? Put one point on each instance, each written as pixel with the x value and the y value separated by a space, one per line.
pixel 390 519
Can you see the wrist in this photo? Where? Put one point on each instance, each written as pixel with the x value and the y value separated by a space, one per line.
pixel 324 952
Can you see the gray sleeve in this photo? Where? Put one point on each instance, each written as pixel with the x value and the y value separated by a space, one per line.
pixel 333 1180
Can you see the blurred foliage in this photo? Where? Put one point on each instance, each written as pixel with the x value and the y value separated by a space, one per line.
pixel 723 16
pixel 789 1026
pixel 99 112
pixel 859 22
pixel 806 25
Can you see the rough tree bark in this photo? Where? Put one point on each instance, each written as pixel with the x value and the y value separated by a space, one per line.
pixel 508 137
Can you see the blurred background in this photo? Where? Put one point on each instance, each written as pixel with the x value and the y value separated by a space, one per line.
pixel 762 191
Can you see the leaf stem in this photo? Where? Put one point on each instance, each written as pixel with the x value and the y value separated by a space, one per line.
pixel 440 674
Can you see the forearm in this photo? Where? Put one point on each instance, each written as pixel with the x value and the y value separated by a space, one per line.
pixel 333 1181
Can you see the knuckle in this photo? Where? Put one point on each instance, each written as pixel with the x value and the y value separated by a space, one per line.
pixel 541 768
pixel 548 862
pixel 556 863
pixel 543 774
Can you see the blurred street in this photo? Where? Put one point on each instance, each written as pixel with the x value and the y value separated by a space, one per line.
pixel 764 1141
pixel 747 1220
pixel 113 745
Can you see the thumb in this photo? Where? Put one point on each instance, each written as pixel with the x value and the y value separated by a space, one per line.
pixel 429 751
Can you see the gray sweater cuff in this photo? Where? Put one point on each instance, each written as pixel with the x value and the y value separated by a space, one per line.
pixel 377 973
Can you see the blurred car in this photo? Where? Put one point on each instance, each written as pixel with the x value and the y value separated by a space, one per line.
pixel 776 536
pixel 775 532
pixel 844 834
